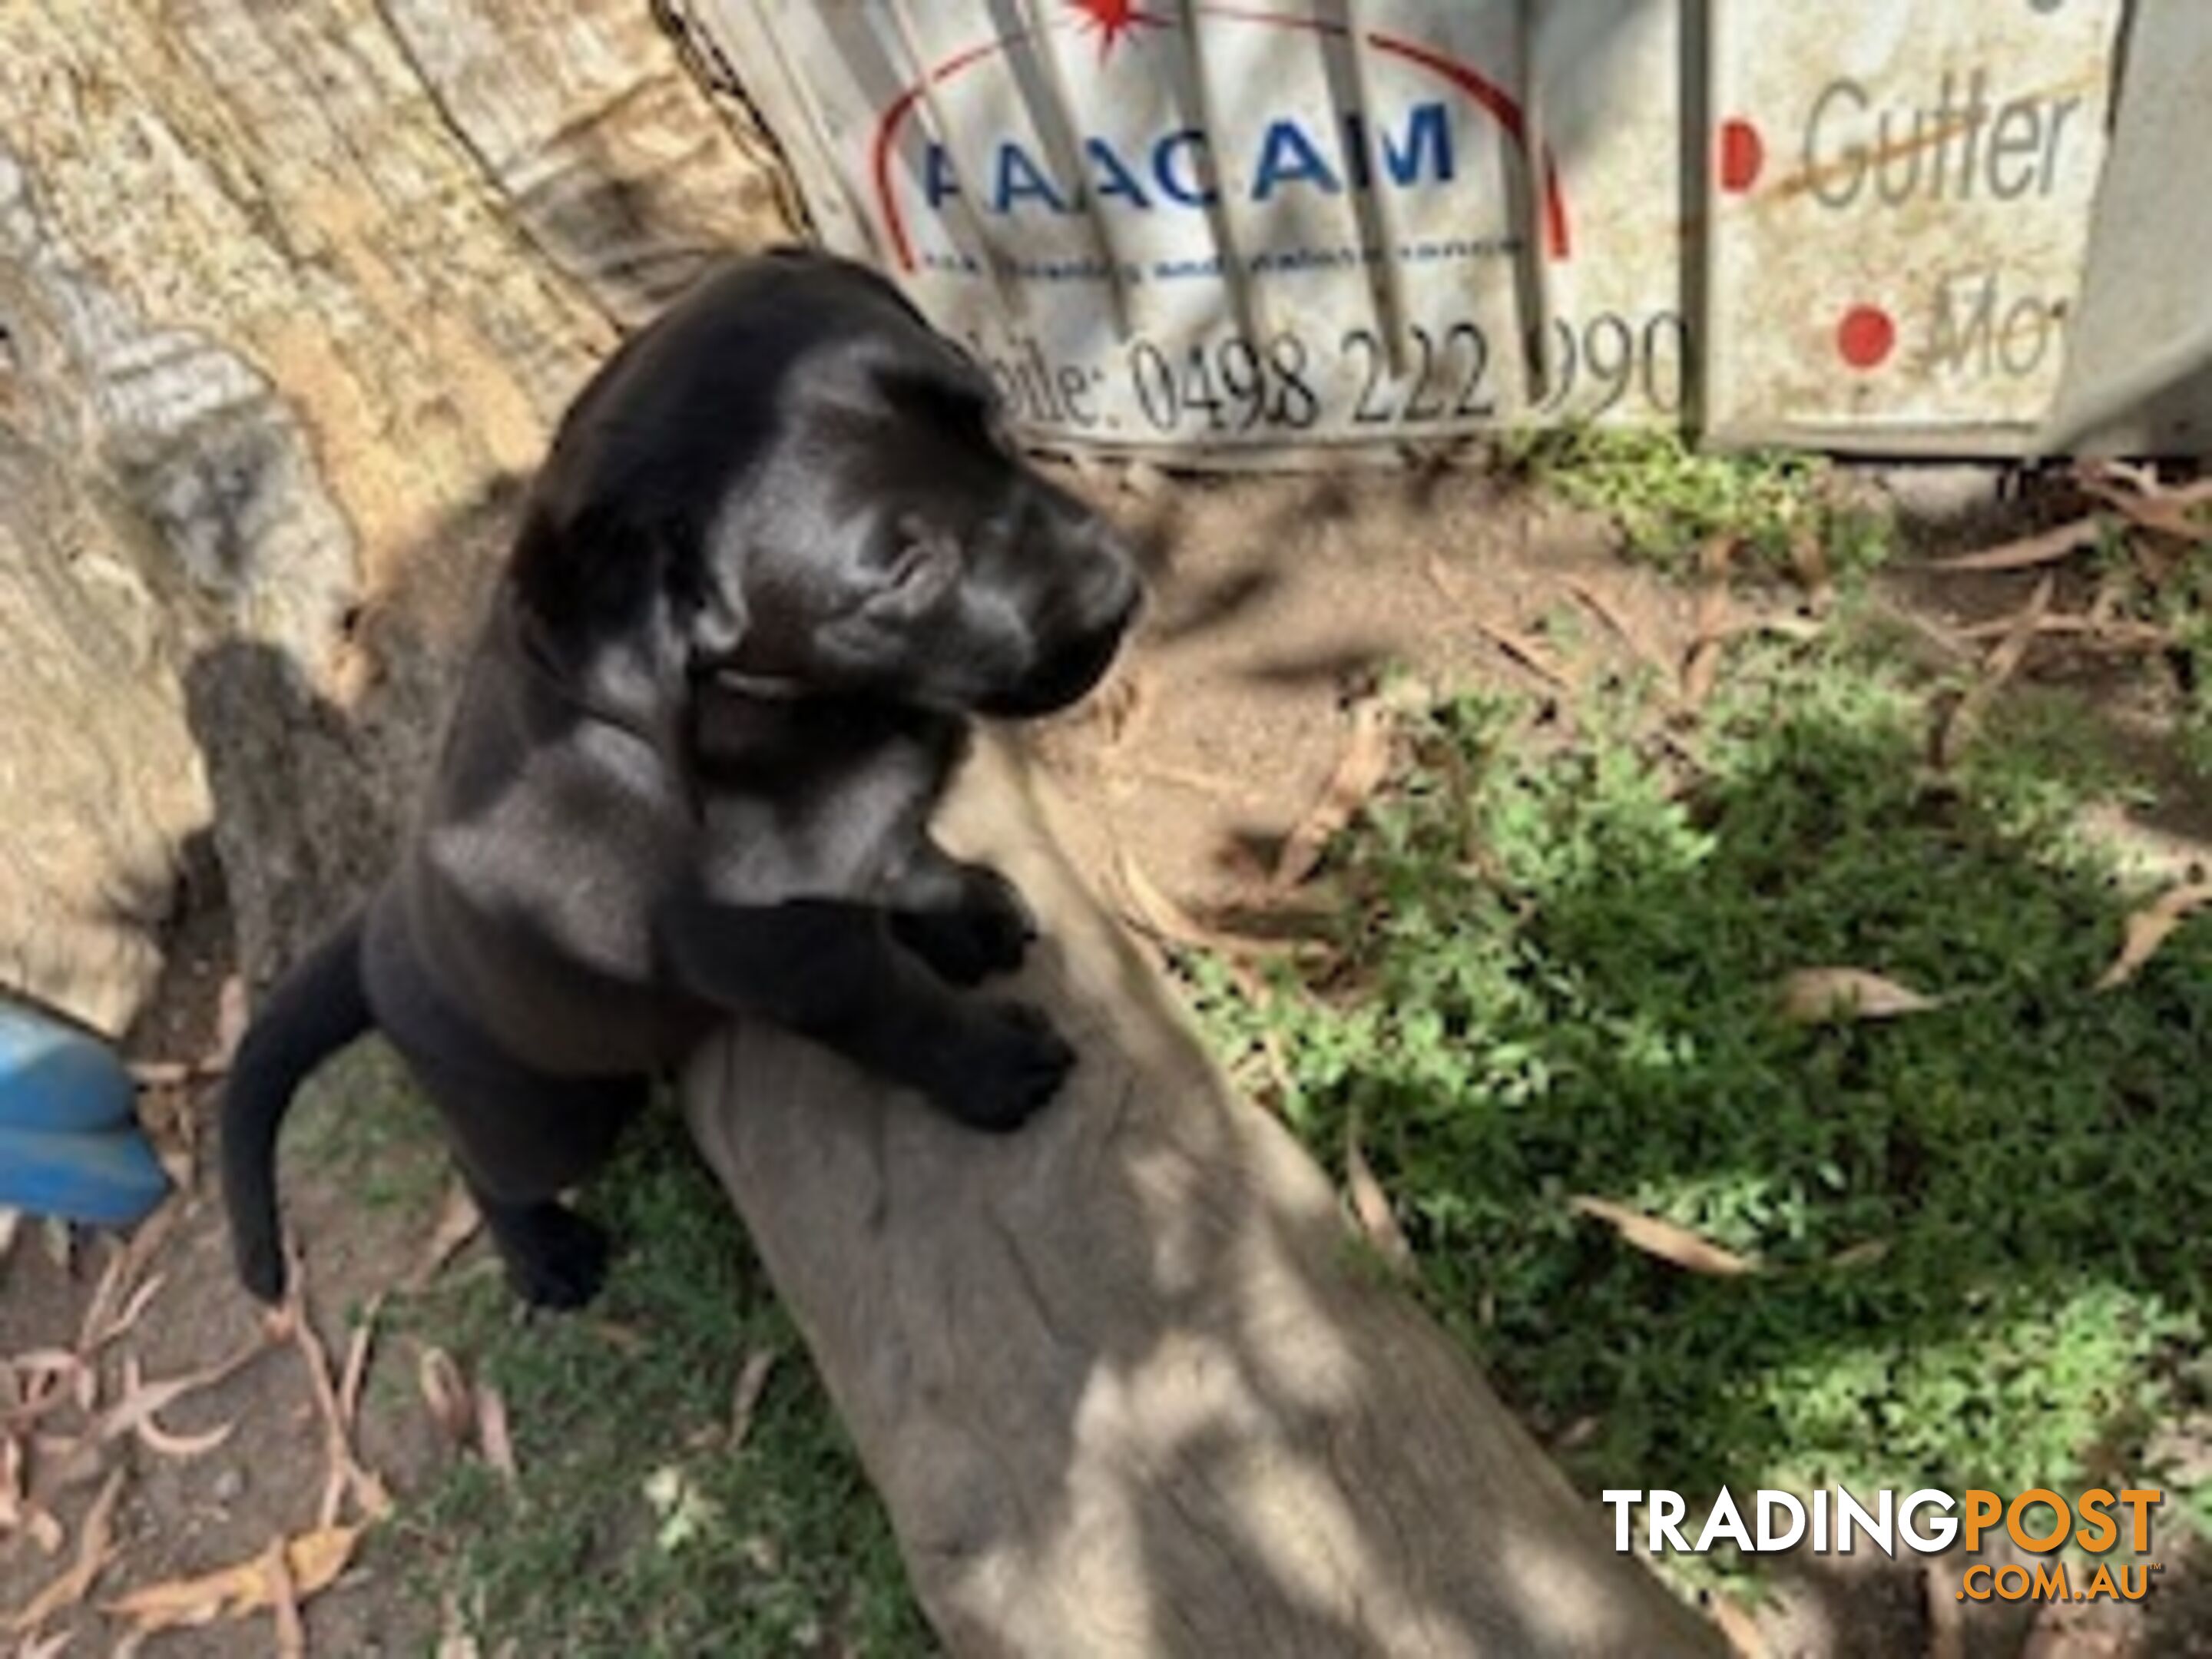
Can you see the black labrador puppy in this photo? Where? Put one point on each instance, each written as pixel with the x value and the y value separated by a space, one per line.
pixel 779 552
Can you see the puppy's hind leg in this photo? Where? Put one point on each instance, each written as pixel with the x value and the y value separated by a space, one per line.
pixel 554 1258
pixel 521 1140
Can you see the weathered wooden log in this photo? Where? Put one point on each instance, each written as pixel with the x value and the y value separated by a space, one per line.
pixel 1122 1382
pixel 289 295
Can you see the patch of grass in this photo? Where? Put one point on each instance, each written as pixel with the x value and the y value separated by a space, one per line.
pixel 1670 499
pixel 2183 603
pixel 636 1529
pixel 2161 581
pixel 362 1116
pixel 1979 1228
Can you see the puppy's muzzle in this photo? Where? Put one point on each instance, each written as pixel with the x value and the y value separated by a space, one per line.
pixel 1093 612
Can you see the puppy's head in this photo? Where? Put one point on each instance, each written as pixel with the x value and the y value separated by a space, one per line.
pixel 791 478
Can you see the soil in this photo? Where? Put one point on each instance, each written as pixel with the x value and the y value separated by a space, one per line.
pixel 1276 601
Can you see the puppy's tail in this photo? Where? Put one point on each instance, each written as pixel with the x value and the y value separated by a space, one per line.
pixel 314 1011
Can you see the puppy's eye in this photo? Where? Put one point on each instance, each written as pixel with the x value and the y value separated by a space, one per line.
pixel 914 562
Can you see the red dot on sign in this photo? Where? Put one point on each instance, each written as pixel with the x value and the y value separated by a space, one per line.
pixel 1743 153
pixel 1866 336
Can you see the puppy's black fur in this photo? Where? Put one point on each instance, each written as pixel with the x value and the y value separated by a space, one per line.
pixel 778 554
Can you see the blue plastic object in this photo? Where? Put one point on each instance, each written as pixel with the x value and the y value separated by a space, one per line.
pixel 69 1140
pixel 111 1179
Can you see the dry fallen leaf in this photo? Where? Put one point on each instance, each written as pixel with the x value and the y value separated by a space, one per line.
pixel 1808 560
pixel 41 1380
pixel 1717 621
pixel 2147 503
pixel 11 1483
pixel 1602 605
pixel 616 1334
pixel 136 1413
pixel 2046 547
pixel 2147 929
pixel 752 1379
pixel 1371 1205
pixel 354 1373
pixel 313 1560
pixel 2117 634
pixel 152 1233
pixel 2135 474
pixel 1716 558
pixel 231 1018
pixel 1360 771
pixel 344 1474
pixel 1737 1625
pixel 95 1546
pixel 1812 995
pixel 493 1435
pixel 459 1221
pixel 46 1531
pixel 455 1640
pixel 111 1326
pixel 447 1393
pixel 283 1600
pixel 1278 1065
pixel 118 1297
pixel 1862 1254
pixel 686 1513
pixel 20 1512
pixel 1701 670
pixel 99 1307
pixel 1966 715
pixel 1577 1434
pixel 1526 649
pixel 1662 1238
pixel 44 1647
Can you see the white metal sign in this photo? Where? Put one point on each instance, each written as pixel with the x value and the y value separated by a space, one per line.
pixel 1219 227
pixel 1265 227
pixel 1902 215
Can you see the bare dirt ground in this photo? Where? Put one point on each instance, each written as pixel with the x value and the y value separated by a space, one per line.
pixel 1276 602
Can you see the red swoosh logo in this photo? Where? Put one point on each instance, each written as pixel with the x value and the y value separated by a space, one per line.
pixel 1486 94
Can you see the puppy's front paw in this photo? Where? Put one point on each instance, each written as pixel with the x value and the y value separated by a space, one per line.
pixel 556 1259
pixel 1013 1064
pixel 989 932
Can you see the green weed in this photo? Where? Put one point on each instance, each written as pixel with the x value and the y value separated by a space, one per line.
pixel 1979 1228
pixel 635 1528
pixel 1669 499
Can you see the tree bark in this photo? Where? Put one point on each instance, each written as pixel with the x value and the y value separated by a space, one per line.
pixel 290 297
pixel 1121 1379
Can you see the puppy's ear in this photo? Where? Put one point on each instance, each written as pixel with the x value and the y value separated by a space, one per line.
pixel 713 621
pixel 925 566
pixel 585 574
